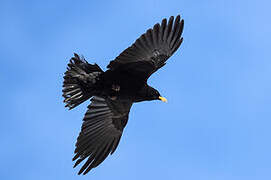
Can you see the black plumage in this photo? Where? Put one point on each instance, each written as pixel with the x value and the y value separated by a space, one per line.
pixel 114 91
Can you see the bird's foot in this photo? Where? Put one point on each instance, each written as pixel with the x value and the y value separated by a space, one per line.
pixel 113 98
pixel 115 87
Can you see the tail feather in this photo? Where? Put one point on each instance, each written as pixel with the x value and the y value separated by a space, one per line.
pixel 79 81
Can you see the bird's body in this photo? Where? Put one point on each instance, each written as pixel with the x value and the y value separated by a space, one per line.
pixel 114 91
pixel 120 84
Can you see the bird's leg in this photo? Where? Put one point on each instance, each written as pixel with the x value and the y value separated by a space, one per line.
pixel 116 87
pixel 113 98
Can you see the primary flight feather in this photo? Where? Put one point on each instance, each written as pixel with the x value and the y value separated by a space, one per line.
pixel 114 91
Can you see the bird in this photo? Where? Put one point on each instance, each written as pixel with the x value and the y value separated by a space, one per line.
pixel 113 92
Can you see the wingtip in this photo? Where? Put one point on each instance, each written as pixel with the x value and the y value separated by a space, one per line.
pixel 80 172
pixel 177 19
pixel 74 166
pixel 156 27
pixel 171 19
pixel 75 54
pixel 86 171
pixel 164 21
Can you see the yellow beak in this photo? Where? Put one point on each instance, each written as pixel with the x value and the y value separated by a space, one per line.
pixel 162 99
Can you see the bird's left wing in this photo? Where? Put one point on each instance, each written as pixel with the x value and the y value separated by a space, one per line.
pixel 150 52
pixel 101 131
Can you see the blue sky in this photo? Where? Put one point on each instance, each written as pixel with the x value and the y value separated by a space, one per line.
pixel 216 125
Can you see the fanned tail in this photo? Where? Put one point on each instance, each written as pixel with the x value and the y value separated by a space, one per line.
pixel 79 81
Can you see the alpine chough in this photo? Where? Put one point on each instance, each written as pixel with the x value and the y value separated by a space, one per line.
pixel 114 91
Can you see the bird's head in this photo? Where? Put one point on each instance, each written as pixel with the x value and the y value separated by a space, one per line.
pixel 148 93
pixel 153 94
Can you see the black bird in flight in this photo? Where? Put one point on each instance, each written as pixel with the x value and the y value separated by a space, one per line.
pixel 114 91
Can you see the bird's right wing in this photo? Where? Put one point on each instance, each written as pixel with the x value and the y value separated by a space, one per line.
pixel 151 50
pixel 101 131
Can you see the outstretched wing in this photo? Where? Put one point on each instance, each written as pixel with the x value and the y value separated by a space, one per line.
pixel 101 131
pixel 152 49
